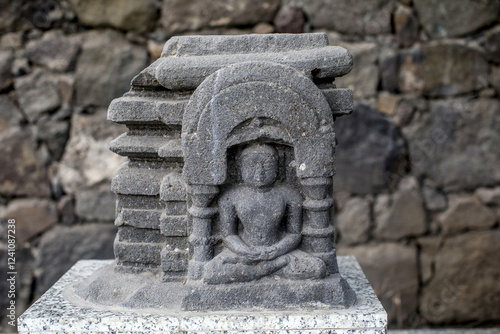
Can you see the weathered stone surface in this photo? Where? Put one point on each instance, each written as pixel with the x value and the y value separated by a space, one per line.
pixel 66 210
pixel 465 213
pixel 97 83
pixel 388 64
pixel 387 103
pixel 450 18
pixel 121 14
pixel 367 17
pixel 54 51
pixel 405 25
pixel 54 133
pixel 392 270
pixel 290 20
pixel 38 93
pixel 369 151
pixel 491 43
pixel 401 214
pixel 178 16
pixel 363 79
pixel 62 246
pixel 435 199
pixel 309 54
pixel 431 69
pixel 9 113
pixel 263 28
pixel 495 78
pixel 26 176
pixel 489 196
pixel 429 247
pixel 87 162
pixel 97 206
pixel 456 143
pixel 465 285
pixel 6 59
pixel 32 216
pixel 353 221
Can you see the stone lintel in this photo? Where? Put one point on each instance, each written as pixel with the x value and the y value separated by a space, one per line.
pixel 186 46
pixel 178 73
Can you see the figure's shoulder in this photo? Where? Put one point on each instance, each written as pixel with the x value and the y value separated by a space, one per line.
pixel 291 194
pixel 231 193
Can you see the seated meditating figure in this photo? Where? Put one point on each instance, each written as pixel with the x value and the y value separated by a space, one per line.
pixel 261 224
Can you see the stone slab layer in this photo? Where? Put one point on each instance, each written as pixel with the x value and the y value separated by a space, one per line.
pixel 52 313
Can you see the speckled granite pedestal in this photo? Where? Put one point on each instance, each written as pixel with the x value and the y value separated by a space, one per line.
pixel 52 313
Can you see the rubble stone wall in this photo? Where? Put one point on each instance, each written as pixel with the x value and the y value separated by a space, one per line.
pixel 418 162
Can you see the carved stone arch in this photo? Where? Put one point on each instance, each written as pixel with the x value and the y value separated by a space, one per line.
pixel 256 90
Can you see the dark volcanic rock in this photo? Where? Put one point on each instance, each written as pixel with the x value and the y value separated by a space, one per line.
pixel 369 151
pixel 456 143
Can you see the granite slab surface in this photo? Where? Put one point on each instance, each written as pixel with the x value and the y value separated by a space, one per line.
pixel 52 313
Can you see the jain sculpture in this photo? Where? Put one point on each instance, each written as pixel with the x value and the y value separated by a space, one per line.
pixel 226 202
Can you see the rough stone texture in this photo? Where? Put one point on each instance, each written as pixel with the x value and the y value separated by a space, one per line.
pixel 10 115
pixel 122 14
pixel 97 83
pixel 87 162
pixel 367 17
pixel 53 312
pixel 405 25
pixel 391 269
pixel 491 43
pixel 95 206
pixel 387 103
pixel 178 16
pixel 54 133
pixel 455 143
pixel 6 59
pixel 465 213
pixel 290 20
pixel 363 79
pixel 54 51
pixel 66 210
pixel 431 69
pixel 38 93
pixel 495 78
pixel 353 221
pixel 253 92
pixel 401 214
pixel 465 285
pixel 62 247
pixel 429 247
pixel 450 18
pixel 435 199
pixel 32 216
pixel 489 196
pixel 26 175
pixel 361 134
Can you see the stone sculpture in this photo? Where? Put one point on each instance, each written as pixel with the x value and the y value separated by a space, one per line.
pixel 226 201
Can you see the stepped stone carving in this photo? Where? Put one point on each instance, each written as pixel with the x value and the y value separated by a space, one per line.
pixel 226 199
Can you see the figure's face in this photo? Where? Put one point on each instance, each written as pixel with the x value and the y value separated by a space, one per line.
pixel 259 169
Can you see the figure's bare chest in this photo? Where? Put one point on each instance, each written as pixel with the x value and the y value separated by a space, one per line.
pixel 261 208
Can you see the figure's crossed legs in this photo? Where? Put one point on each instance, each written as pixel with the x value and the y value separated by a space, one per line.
pixel 227 267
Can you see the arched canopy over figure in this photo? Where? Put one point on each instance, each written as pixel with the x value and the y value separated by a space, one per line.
pixel 261 223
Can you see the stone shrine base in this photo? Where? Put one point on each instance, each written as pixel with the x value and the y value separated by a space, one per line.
pixel 54 313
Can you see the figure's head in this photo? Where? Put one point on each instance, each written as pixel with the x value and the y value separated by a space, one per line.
pixel 259 165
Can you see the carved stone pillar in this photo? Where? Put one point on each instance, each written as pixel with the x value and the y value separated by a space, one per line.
pixel 318 231
pixel 200 237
